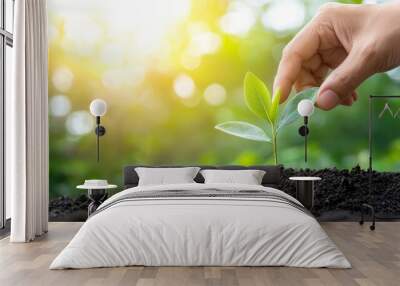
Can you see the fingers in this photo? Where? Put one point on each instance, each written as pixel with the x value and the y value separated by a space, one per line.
pixel 354 95
pixel 305 79
pixel 310 76
pixel 288 71
pixel 313 63
pixel 348 101
pixel 339 85
pixel 320 47
pixel 299 50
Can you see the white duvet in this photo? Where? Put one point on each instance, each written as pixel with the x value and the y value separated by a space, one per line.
pixel 199 231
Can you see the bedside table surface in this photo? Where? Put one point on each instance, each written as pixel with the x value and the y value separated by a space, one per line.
pixel 86 187
pixel 305 178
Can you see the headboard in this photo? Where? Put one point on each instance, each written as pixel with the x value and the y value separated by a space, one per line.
pixel 271 178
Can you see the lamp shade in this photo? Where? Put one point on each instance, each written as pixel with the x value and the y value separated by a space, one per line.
pixel 98 107
pixel 305 107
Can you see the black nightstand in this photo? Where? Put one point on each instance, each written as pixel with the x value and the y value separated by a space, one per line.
pixel 96 194
pixel 305 190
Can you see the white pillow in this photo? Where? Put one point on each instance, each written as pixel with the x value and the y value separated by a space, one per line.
pixel 165 176
pixel 247 177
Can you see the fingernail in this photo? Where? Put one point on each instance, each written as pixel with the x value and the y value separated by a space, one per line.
pixel 328 99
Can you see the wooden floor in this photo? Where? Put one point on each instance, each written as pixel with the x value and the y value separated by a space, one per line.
pixel 375 257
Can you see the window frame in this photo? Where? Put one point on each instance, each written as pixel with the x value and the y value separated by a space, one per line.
pixel 6 39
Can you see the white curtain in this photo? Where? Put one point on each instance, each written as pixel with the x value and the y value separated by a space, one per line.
pixel 27 123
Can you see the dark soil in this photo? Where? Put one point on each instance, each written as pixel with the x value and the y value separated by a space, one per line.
pixel 346 190
pixel 68 209
pixel 338 197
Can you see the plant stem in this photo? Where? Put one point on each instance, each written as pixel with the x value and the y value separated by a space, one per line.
pixel 274 147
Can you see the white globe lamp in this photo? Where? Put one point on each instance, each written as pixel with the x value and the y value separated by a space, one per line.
pixel 305 108
pixel 98 108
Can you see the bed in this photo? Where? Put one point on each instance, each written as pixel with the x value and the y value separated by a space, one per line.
pixel 201 224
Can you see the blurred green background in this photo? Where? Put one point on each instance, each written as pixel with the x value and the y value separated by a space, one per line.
pixel 170 71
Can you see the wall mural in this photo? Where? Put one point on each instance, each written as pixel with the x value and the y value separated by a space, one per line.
pixel 170 71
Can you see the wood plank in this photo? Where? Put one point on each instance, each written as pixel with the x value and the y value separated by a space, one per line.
pixel 375 257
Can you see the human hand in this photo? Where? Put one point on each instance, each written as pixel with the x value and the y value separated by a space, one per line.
pixel 353 41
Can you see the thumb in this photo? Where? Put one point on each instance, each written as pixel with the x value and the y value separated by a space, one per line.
pixel 343 80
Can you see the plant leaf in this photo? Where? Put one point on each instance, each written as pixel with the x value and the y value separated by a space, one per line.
pixel 257 96
pixel 290 113
pixel 274 111
pixel 244 130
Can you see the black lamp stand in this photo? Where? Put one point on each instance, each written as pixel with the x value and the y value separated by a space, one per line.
pixel 369 205
pixel 99 131
pixel 304 131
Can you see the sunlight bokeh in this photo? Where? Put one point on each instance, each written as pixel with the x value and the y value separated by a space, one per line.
pixel 169 72
pixel 284 15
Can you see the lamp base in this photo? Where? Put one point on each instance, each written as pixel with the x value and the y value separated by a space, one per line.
pixel 100 130
pixel 303 130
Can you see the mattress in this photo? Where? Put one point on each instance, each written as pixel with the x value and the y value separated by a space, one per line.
pixel 201 225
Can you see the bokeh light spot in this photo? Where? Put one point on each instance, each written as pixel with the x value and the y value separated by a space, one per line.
pixel 62 79
pixel 184 86
pixel 284 15
pixel 190 62
pixel 215 94
pixel 239 19
pixel 123 77
pixel 79 123
pixel 204 43
pixel 59 105
pixel 81 40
